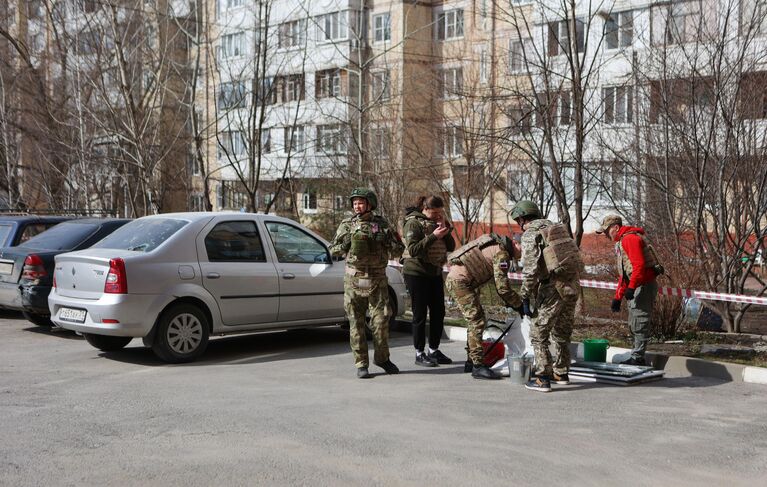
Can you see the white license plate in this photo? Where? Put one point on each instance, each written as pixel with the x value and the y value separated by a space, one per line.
pixel 6 267
pixel 73 315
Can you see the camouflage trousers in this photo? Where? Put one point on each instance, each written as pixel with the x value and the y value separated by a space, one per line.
pixel 553 321
pixel 640 314
pixel 356 302
pixel 471 308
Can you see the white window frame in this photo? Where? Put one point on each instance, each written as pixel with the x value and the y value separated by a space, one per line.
pixel 294 139
pixel 333 26
pixel 450 82
pixel 306 202
pixel 623 30
pixel 617 105
pixel 452 142
pixel 517 63
pixel 232 45
pixel 687 15
pixel 331 139
pixel 382 27
pixel 234 144
pixel 483 66
pixel 380 85
pixel 380 143
pixel 292 34
pixel 448 25
pixel 329 83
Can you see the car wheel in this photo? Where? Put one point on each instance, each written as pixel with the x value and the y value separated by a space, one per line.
pixel 182 334
pixel 107 343
pixel 38 320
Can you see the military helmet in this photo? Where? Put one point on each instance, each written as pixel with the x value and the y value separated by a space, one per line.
pixel 525 209
pixel 366 193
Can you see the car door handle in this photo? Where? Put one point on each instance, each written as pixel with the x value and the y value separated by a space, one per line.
pixel 288 275
pixel 213 275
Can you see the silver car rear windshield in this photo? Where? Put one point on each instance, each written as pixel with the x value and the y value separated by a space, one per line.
pixel 143 235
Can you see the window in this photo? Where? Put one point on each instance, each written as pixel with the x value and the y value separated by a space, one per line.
pixel 682 99
pixel 234 242
pixel 340 203
pixel 292 87
pixel 231 95
pixel 310 201
pixel 328 83
pixel 231 4
pixel 331 139
pixel 555 108
pixel 619 30
pixel 452 143
pixel 33 229
pixel 381 27
pixel 617 105
pixel 266 92
pixel 483 66
pixel 232 45
pixel 753 95
pixel 449 25
pixel 88 42
pixel 143 235
pixel 332 27
pixel 266 141
pixel 196 202
pixel 193 165
pixel 231 144
pixel 380 139
pixel 295 245
pixel 559 37
pixel 292 34
pixel 757 22
pixel 231 196
pixel 683 21
pixel 520 119
pixel 519 184
pixel 517 49
pixel 294 139
pixel 379 86
pixel 451 82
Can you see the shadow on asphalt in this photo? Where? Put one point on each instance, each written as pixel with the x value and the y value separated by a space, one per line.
pixel 54 332
pixel 253 348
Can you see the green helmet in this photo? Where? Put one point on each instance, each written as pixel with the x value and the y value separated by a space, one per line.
pixel 525 209
pixel 366 193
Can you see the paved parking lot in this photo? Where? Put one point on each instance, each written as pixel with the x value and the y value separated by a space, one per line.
pixel 286 409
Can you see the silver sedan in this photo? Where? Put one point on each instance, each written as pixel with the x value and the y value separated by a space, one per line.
pixel 175 279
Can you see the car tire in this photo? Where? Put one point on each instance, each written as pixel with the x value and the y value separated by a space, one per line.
pixel 182 334
pixel 107 343
pixel 39 320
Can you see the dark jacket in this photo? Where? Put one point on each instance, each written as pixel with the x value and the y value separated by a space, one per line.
pixel 418 242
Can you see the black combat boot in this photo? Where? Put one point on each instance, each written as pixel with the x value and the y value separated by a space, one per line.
pixel 484 372
pixel 468 366
pixel 362 373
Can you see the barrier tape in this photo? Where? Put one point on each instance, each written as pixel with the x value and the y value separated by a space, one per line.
pixel 665 291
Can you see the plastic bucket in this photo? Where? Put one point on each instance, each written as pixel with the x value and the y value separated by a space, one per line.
pixel 519 368
pixel 595 349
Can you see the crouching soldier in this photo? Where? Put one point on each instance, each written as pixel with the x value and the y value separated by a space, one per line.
pixel 368 242
pixel 551 268
pixel 473 265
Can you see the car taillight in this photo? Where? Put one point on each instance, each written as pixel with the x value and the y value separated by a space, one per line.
pixel 34 269
pixel 117 280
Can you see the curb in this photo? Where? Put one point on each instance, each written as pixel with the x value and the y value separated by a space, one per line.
pixel 676 364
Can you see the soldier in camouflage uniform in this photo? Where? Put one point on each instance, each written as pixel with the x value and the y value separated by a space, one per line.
pixel 474 264
pixel 551 267
pixel 368 242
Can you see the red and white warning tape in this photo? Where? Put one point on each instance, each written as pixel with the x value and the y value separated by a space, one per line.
pixel 673 291
pixel 666 291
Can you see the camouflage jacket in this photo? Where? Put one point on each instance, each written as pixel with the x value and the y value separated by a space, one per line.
pixel 367 241
pixel 533 266
pixel 426 254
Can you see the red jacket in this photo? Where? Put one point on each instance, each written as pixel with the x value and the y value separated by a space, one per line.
pixel 632 246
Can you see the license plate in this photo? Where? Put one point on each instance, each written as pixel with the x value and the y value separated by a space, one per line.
pixel 73 315
pixel 6 267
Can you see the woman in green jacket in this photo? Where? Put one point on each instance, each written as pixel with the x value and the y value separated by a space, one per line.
pixel 428 241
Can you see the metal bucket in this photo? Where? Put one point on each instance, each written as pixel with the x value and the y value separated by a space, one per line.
pixel 519 368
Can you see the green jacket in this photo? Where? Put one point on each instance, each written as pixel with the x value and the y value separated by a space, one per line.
pixel 367 241
pixel 422 260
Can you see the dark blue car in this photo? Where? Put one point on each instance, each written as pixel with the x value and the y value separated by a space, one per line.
pixel 26 271
pixel 15 230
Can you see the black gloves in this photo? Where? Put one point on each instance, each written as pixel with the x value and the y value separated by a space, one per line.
pixel 629 294
pixel 616 305
pixel 526 308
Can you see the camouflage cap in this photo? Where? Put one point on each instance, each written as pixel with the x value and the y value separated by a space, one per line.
pixel 608 221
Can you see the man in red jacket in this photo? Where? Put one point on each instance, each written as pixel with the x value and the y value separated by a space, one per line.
pixel 638 267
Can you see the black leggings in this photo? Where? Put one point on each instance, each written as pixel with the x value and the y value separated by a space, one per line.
pixel 427 293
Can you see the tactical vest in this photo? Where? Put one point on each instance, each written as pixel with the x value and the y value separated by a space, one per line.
pixel 368 244
pixel 650 257
pixel 436 254
pixel 561 256
pixel 470 256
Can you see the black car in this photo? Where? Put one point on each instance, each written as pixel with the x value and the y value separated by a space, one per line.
pixel 15 230
pixel 26 271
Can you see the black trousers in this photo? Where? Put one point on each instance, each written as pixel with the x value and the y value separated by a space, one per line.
pixel 427 293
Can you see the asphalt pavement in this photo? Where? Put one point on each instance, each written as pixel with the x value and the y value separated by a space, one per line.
pixel 287 409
